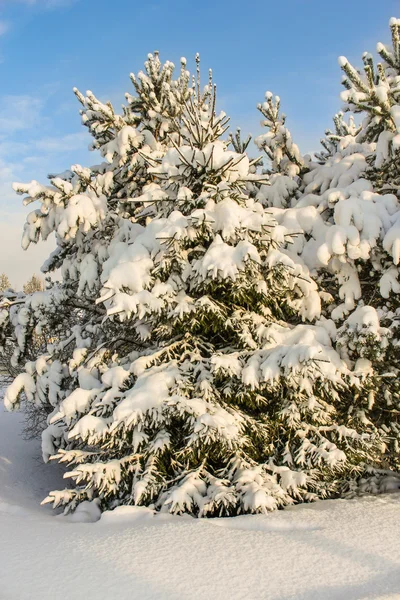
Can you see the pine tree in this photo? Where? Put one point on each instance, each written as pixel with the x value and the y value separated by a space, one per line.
pixel 89 210
pixel 345 213
pixel 285 164
pixel 188 371
pixel 340 139
pixel 35 284
pixel 375 93
pixel 4 282
pixel 15 343
pixel 8 299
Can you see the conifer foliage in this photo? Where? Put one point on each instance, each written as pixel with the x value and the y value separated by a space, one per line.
pixel 375 93
pixel 188 365
pixel 4 282
pixel 34 284
pixel 344 207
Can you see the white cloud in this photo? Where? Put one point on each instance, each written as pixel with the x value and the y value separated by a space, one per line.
pixel 66 143
pixel 18 112
pixel 46 4
pixel 21 157
pixel 3 27
pixel 11 148
pixel 7 176
pixel 56 3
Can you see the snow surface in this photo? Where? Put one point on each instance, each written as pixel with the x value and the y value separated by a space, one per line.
pixel 331 550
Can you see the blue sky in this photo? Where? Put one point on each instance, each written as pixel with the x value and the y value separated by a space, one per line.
pixel 48 46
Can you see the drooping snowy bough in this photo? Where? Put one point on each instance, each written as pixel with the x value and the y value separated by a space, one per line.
pixel 189 366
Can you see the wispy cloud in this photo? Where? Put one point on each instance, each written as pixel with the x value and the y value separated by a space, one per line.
pixel 56 3
pixel 6 178
pixel 66 143
pixel 3 27
pixel 46 4
pixel 18 112
pixel 24 150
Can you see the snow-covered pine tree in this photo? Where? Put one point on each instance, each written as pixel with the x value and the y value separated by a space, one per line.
pixel 9 303
pixel 185 372
pixel 375 94
pixel 345 131
pixel 86 209
pixel 285 165
pixel 11 314
pixel 345 212
pixel 19 340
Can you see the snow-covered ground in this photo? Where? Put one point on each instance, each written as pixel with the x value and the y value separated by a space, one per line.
pixel 347 550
